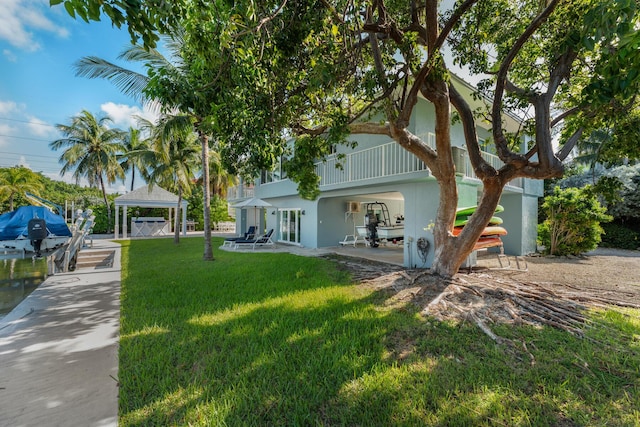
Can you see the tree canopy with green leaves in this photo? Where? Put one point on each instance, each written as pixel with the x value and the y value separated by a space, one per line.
pixel 90 151
pixel 18 180
pixel 167 85
pixel 261 73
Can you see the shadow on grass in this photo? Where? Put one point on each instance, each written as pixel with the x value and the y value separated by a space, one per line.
pixel 275 339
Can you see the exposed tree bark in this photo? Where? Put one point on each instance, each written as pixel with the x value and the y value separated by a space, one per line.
pixel 206 189
pixel 176 220
pixel 104 197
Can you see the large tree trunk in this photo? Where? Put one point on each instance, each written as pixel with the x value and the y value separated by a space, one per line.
pixel 206 189
pixel 451 251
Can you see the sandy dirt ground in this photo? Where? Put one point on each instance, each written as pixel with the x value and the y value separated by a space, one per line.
pixel 610 271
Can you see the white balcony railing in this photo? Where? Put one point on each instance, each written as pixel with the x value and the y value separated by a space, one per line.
pixel 378 162
pixel 386 160
pixel 238 192
pixel 495 162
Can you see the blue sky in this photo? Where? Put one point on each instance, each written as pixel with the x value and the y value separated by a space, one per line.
pixel 38 88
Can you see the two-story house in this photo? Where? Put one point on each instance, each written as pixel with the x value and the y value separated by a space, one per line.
pixel 378 169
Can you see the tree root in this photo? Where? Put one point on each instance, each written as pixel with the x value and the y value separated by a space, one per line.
pixel 484 300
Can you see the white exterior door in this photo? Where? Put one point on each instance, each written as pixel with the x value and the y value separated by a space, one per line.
pixel 290 226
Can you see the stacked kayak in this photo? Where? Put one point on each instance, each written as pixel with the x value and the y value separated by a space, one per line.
pixel 491 235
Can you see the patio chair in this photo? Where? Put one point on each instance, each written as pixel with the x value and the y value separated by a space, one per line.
pixel 264 240
pixel 250 234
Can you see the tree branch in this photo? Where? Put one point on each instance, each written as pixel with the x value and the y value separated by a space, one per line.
pixel 480 166
pixel 501 81
pixel 570 144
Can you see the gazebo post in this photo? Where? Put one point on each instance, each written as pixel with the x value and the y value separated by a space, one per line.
pixel 124 222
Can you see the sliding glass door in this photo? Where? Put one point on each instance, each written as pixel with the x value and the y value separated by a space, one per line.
pixel 289 225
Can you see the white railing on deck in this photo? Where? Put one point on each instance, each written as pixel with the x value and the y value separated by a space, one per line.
pixel 377 162
pixel 495 162
pixel 387 160
pixel 240 192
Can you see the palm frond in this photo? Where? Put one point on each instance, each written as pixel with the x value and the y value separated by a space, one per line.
pixel 131 83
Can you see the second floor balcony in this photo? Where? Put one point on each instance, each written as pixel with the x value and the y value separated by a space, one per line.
pixel 391 160
pixel 387 161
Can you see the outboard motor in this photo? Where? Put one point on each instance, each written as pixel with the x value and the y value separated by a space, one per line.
pixel 371 221
pixel 37 232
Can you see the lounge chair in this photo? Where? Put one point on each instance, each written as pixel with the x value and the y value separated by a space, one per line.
pixel 264 240
pixel 250 234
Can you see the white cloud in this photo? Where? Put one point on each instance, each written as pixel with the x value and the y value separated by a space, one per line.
pixel 40 128
pixel 11 57
pixel 123 116
pixel 8 107
pixel 68 178
pixel 20 18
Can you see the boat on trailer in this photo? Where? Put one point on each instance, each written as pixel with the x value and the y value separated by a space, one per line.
pixel 33 229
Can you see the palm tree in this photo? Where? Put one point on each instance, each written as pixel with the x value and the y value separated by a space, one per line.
pixel 135 147
pixel 175 151
pixel 220 179
pixel 17 180
pixel 135 84
pixel 91 151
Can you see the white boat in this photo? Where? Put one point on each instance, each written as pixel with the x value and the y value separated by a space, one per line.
pixel 384 232
pixel 33 229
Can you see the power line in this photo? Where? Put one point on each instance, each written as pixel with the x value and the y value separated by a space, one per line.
pixel 30 155
pixel 27 122
pixel 24 137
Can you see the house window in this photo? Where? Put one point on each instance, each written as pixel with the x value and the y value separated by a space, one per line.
pixel 289 225
pixel 277 174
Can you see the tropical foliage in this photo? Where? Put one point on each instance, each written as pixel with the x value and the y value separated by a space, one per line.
pixel 573 221
pixel 169 85
pixel 133 158
pixel 618 189
pixel 259 73
pixel 17 181
pixel 90 149
pixel 174 158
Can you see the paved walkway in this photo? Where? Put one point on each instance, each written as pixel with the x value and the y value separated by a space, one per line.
pixel 59 350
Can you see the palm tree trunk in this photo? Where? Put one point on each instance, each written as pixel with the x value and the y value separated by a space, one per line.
pixel 206 189
pixel 106 202
pixel 133 176
pixel 176 222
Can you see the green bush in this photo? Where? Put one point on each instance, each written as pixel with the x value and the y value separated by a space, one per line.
pixel 617 235
pixel 101 224
pixel 573 221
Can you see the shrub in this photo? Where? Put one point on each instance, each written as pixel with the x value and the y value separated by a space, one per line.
pixel 101 225
pixel 617 235
pixel 573 221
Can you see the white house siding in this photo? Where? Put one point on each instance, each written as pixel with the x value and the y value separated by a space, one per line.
pixel 325 221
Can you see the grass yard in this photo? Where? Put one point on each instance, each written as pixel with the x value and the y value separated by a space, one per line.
pixel 266 339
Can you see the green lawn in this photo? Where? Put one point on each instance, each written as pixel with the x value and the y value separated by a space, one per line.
pixel 276 339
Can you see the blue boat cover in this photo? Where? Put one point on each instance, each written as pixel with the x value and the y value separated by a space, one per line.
pixel 14 224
